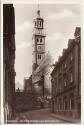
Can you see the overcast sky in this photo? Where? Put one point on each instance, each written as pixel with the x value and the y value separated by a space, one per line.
pixel 60 23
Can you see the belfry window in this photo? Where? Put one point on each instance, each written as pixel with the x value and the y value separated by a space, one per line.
pixel 40 23
pixel 37 40
pixel 39 56
pixel 41 40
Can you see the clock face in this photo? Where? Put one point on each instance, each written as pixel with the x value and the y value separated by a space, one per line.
pixel 39 48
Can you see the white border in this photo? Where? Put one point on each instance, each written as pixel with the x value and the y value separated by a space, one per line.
pixel 42 1
pixel 2 118
pixel 82 66
pixel 82 50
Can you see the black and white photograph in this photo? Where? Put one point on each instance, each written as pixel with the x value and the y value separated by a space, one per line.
pixel 41 73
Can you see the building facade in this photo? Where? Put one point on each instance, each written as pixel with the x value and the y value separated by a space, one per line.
pixel 66 80
pixel 8 60
pixel 28 84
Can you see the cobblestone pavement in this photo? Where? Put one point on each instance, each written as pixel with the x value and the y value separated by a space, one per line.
pixel 37 116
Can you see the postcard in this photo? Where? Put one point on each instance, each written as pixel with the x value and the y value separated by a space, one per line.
pixel 41 62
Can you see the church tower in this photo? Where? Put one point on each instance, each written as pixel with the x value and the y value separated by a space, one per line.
pixel 38 41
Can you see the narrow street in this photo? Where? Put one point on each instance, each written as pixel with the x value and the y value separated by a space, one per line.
pixel 37 116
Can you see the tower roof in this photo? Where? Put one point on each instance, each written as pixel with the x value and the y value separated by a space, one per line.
pixel 38 13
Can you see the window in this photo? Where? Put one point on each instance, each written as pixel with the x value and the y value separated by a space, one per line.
pixel 60 84
pixel 71 78
pixel 71 102
pixel 60 104
pixel 40 23
pixel 65 103
pixel 56 89
pixel 37 40
pixel 65 83
pixel 39 56
pixel 71 57
pixel 41 40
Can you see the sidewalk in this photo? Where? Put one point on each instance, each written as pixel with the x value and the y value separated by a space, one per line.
pixel 70 120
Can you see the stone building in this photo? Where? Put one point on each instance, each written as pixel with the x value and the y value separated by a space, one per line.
pixel 66 80
pixel 42 61
pixel 38 52
pixel 41 78
pixel 38 41
pixel 28 83
pixel 8 60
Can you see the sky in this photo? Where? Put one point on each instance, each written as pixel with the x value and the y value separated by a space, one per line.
pixel 60 21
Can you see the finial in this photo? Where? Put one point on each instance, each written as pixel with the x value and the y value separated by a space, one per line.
pixel 38 11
